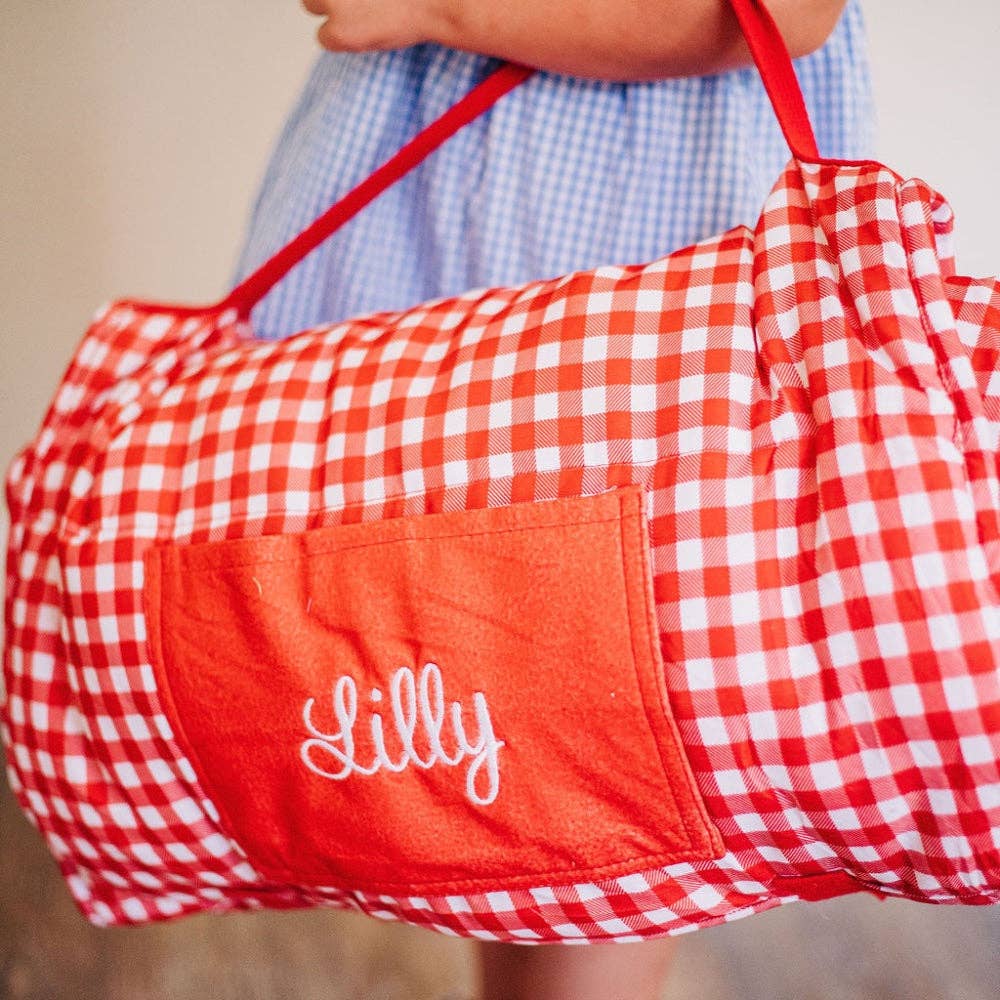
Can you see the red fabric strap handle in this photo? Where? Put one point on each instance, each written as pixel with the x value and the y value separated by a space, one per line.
pixel 775 67
pixel 769 53
pixel 482 97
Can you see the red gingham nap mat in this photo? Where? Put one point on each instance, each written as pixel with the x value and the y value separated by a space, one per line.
pixel 605 607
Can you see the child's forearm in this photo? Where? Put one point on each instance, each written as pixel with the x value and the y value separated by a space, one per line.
pixel 623 39
pixel 606 39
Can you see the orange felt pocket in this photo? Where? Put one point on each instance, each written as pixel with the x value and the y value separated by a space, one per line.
pixel 458 701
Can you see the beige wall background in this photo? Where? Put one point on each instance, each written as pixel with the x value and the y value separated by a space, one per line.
pixel 134 135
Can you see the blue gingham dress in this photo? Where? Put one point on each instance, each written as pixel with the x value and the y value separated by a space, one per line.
pixel 562 174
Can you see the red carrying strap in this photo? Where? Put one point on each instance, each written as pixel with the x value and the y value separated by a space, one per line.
pixel 766 46
pixel 775 66
pixel 482 97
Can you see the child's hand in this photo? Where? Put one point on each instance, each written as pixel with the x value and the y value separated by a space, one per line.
pixel 366 25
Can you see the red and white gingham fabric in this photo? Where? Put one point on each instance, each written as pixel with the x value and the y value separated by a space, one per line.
pixel 813 410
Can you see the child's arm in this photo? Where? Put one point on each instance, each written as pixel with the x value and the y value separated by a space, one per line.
pixel 604 39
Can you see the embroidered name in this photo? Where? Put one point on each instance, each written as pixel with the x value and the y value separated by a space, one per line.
pixel 413 702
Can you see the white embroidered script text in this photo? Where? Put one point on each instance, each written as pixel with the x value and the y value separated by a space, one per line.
pixel 413 701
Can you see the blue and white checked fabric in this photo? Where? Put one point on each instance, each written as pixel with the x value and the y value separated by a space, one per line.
pixel 563 174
